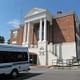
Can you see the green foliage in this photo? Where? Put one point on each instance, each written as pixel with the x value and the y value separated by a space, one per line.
pixel 2 39
pixel 8 41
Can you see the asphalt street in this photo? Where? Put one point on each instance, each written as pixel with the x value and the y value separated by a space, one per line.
pixel 37 73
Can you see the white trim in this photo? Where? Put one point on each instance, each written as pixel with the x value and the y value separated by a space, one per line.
pixel 12 48
pixel 36 14
pixel 15 33
pixel 24 34
pixel 77 36
pixel 35 17
pixel 45 27
pixel 40 30
pixel 13 42
pixel 28 32
pixel 35 11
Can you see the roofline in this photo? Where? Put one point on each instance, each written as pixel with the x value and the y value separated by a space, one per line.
pixel 63 14
pixel 11 45
pixel 15 48
pixel 34 14
pixel 16 29
pixel 21 25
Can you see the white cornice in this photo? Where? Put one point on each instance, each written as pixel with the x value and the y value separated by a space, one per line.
pixel 35 11
pixel 38 13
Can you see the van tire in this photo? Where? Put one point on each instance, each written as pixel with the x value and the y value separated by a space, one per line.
pixel 14 73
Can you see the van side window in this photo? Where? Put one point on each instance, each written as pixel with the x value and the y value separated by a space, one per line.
pixel 8 56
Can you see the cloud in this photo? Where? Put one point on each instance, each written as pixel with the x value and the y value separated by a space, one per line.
pixel 14 23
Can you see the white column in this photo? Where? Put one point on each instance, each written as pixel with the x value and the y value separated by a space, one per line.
pixel 40 30
pixel 28 29
pixel 24 34
pixel 45 29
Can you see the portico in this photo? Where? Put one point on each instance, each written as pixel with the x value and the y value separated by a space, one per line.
pixel 36 15
pixel 40 16
pixel 27 31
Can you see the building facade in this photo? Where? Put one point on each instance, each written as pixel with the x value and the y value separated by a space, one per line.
pixel 49 38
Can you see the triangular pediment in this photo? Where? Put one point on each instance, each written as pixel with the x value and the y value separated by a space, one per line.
pixel 35 11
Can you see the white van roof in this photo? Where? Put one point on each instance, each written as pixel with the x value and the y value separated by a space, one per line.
pixel 10 47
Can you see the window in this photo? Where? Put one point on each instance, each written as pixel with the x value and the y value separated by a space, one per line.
pixel 1 58
pixel 10 57
pixel 14 34
pixel 22 56
pixel 6 56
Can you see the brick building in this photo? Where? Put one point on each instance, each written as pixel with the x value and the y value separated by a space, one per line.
pixel 49 37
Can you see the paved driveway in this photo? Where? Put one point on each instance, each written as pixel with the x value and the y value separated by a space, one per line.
pixel 48 74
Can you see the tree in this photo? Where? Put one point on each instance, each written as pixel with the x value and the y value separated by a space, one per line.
pixel 8 41
pixel 2 39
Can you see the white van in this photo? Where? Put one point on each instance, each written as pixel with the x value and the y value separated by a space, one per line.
pixel 13 59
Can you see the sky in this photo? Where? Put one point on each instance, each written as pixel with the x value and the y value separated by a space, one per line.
pixel 12 12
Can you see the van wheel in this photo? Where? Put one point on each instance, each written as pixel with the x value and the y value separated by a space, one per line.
pixel 14 73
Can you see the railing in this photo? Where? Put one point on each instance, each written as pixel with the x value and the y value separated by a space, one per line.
pixel 65 62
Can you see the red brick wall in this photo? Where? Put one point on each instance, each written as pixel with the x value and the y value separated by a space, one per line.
pixel 49 32
pixel 35 29
pixel 63 29
pixel 33 34
pixel 19 37
pixel 32 38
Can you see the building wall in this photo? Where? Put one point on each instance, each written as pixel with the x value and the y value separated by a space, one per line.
pixel 11 36
pixel 62 39
pixel 52 57
pixel 63 29
pixel 49 32
pixel 19 38
pixel 60 51
pixel 31 35
pixel 20 35
pixel 33 38
pixel 77 24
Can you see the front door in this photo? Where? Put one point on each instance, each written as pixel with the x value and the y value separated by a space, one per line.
pixel 33 59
